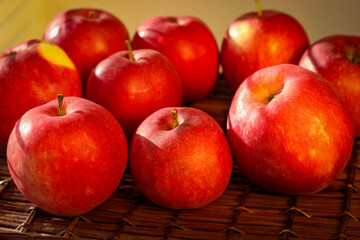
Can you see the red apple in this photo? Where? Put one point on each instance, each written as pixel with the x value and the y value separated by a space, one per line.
pixel 290 130
pixel 132 85
pixel 337 58
pixel 67 164
pixel 260 39
pixel 87 36
pixel 33 73
pixel 189 44
pixel 180 158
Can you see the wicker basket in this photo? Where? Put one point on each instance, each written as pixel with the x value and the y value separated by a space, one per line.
pixel 243 211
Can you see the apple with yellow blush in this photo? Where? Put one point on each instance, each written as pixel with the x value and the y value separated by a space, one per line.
pixel 33 73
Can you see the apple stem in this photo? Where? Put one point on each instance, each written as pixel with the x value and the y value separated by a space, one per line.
pixel 128 44
pixel 60 99
pixel 175 122
pixel 258 6
pixel 13 52
pixel 91 14
pixel 271 97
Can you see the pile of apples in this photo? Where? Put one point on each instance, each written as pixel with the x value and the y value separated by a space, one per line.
pixel 84 102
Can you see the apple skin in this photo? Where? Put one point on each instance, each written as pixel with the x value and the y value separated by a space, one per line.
pixel 191 47
pixel 181 168
pixel 252 42
pixel 33 76
pixel 67 165
pixel 87 35
pixel 132 90
pixel 337 58
pixel 299 141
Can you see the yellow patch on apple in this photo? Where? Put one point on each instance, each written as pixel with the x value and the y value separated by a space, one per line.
pixel 55 55
pixel 242 33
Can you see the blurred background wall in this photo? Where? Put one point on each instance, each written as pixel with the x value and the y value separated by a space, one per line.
pixel 22 20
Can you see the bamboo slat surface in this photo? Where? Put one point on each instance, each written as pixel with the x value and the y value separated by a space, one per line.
pixel 243 211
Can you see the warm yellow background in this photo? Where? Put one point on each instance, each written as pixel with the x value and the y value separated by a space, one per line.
pixel 21 20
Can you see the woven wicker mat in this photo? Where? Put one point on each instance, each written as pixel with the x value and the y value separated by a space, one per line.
pixel 244 211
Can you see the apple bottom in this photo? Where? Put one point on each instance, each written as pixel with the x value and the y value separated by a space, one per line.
pixel 71 184
pixel 68 194
pixel 284 173
pixel 180 182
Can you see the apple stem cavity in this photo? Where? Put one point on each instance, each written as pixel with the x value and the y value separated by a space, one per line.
pixel 354 58
pixel 60 98
pixel 175 118
pixel 258 6
pixel 13 52
pixel 172 20
pixel 128 44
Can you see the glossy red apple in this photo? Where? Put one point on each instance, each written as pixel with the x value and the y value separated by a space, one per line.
pixel 337 58
pixel 190 45
pixel 33 73
pixel 87 35
pixel 260 39
pixel 67 163
pixel 180 158
pixel 290 130
pixel 134 84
